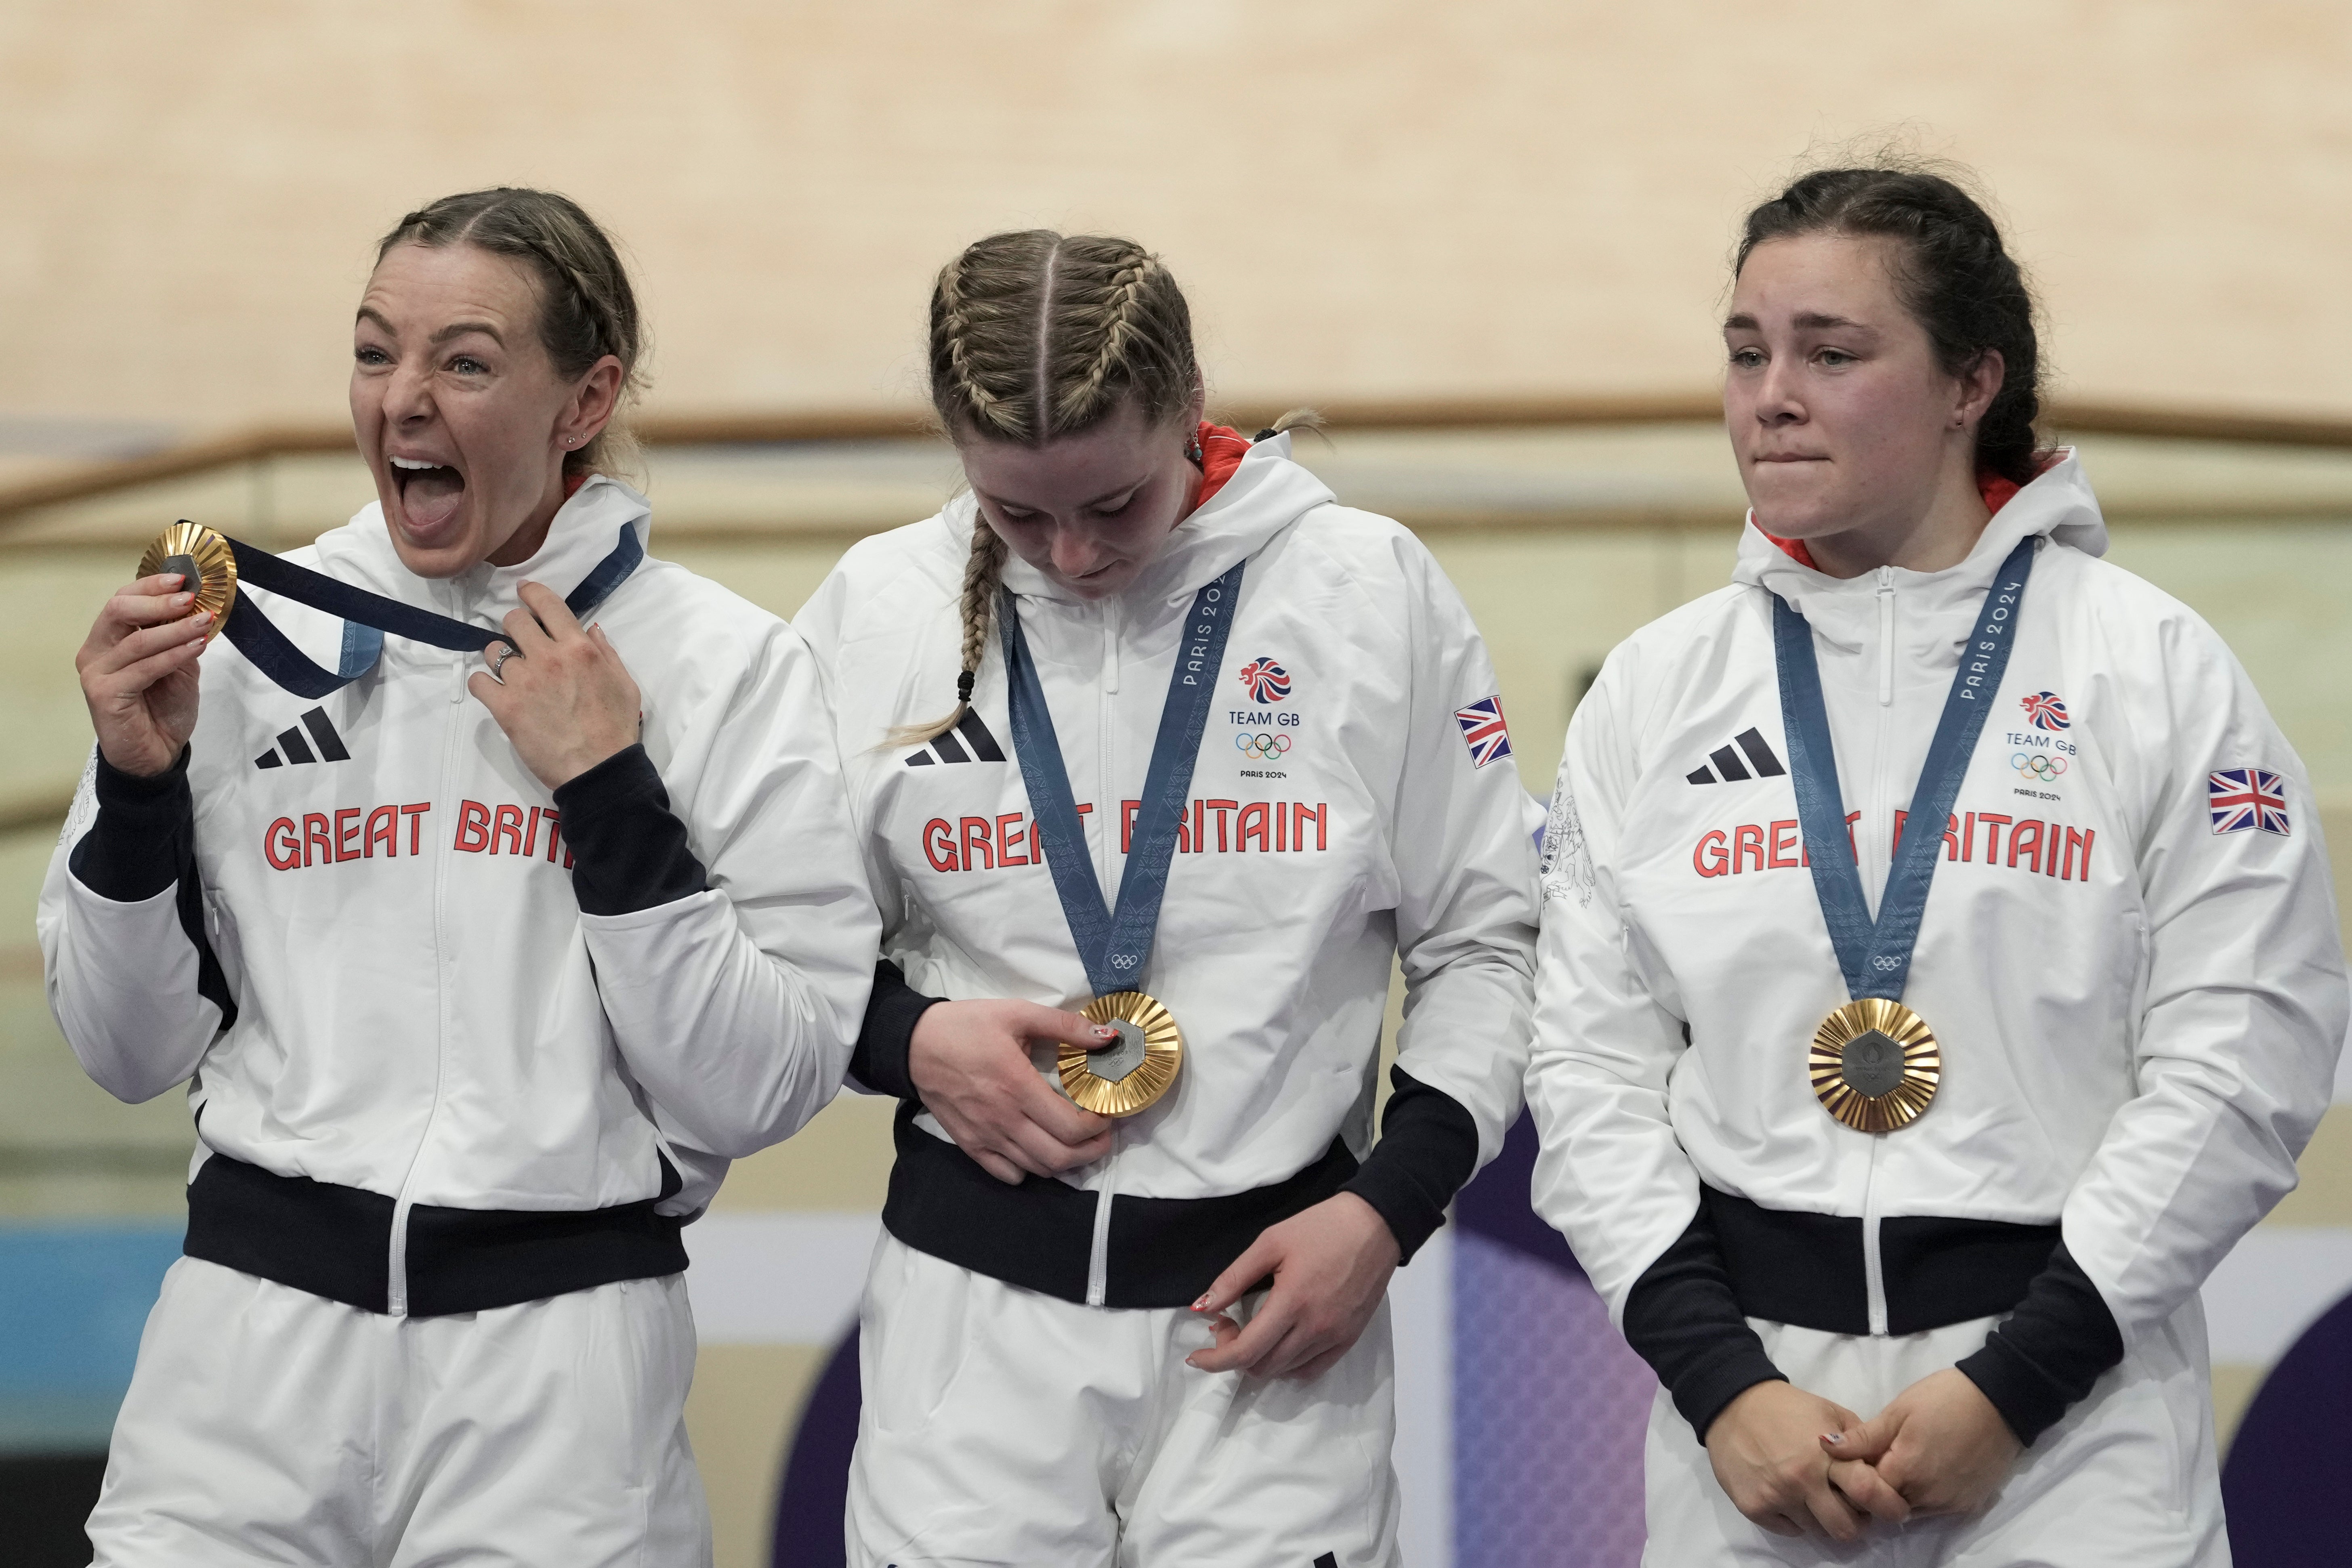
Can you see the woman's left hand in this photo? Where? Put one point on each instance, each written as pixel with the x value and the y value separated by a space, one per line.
pixel 563 697
pixel 1330 1267
pixel 1941 1445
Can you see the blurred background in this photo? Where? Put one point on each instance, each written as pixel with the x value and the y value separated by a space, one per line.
pixel 1489 237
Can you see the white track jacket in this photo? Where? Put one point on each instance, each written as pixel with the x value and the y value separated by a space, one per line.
pixel 381 978
pixel 1342 812
pixel 2132 966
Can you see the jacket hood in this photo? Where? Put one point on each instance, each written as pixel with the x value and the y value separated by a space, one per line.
pixel 2058 505
pixel 1265 494
pixel 584 532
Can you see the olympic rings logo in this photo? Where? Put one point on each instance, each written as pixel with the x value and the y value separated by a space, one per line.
pixel 1262 744
pixel 2036 765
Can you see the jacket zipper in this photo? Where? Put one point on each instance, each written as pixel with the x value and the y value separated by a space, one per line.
pixel 1873 1267
pixel 1112 815
pixel 396 1283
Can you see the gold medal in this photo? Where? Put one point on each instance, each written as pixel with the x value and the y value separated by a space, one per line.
pixel 204 559
pixel 1121 1079
pixel 1875 1064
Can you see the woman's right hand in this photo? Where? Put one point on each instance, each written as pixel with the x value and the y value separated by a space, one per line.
pixel 138 670
pixel 970 1061
pixel 1766 1447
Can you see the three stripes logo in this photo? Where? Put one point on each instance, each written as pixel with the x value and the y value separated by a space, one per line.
pixel 297 750
pixel 976 745
pixel 1729 769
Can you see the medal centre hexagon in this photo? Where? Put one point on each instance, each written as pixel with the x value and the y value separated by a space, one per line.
pixel 1873 1063
pixel 1116 1064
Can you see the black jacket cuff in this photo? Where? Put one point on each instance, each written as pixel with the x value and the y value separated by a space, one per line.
pixel 884 1041
pixel 144 836
pixel 629 849
pixel 2045 1356
pixel 1428 1148
pixel 1683 1318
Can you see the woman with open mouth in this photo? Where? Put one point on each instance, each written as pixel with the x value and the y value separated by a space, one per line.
pixel 480 966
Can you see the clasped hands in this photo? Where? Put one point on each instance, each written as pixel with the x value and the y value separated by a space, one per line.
pixel 1792 1461
pixel 971 1066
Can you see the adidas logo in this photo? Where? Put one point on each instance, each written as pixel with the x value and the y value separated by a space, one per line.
pixel 948 749
pixel 1728 769
pixel 297 750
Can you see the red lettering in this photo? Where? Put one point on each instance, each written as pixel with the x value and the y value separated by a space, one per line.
pixel 415 814
pixel 279 836
pixel 2025 839
pixel 1851 846
pixel 1010 837
pixel 347 831
pixel 1993 822
pixel 1223 807
pixel 1968 838
pixel 1301 815
pixel 383 827
pixel 1775 858
pixel 1281 827
pixel 318 834
pixel 508 827
pixel 979 850
pixel 939 845
pixel 531 835
pixel 473 826
pixel 2050 849
pixel 1127 810
pixel 2084 839
pixel 554 820
pixel 1707 857
pixel 1243 831
pixel 1746 839
pixel 1200 825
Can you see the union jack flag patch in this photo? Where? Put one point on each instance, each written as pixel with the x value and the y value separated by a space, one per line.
pixel 1484 731
pixel 2241 798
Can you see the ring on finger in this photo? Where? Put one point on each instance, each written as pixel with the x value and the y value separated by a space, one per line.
pixel 507 650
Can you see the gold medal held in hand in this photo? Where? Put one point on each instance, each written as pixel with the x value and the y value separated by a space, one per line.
pixel 1876 1065
pixel 1121 1079
pixel 203 558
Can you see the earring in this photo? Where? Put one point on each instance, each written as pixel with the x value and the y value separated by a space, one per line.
pixel 1192 451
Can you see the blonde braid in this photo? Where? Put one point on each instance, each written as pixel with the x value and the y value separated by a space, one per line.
pixel 1126 288
pixel 954 327
pixel 983 569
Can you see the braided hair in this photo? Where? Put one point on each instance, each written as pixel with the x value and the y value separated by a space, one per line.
pixel 1951 272
pixel 1035 335
pixel 587 308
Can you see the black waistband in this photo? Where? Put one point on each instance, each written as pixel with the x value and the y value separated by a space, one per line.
pixel 1808 1270
pixel 336 1242
pixel 1163 1252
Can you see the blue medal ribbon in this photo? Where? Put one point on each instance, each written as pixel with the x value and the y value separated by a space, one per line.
pixel 1114 946
pixel 368 617
pixel 1876 956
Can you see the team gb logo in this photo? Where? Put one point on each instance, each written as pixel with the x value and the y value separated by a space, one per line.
pixel 1267 681
pixel 2045 708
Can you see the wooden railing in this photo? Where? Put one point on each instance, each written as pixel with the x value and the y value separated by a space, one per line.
pixel 264 442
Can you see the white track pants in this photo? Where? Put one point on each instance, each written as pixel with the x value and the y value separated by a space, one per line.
pixel 266 1425
pixel 1002 1427
pixel 2126 1481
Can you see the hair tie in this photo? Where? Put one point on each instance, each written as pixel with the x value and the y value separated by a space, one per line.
pixel 963 688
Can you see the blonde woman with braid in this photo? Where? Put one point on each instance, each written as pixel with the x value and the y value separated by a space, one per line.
pixel 1219 750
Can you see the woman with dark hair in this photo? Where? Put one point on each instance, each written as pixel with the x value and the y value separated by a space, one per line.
pixel 479 965
pixel 1223 752
pixel 1939 968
